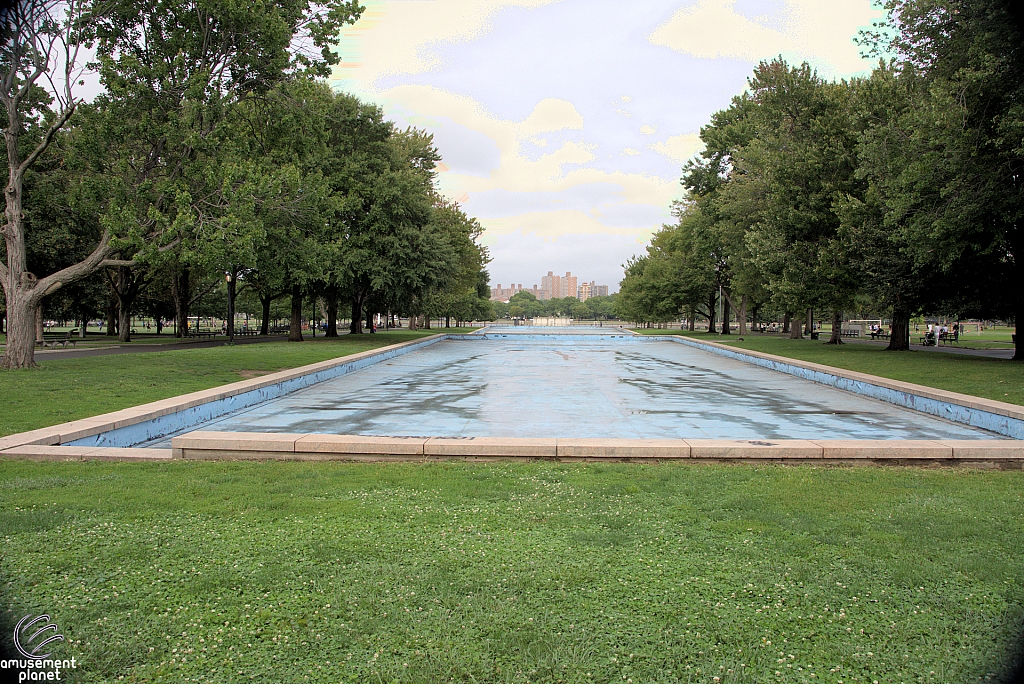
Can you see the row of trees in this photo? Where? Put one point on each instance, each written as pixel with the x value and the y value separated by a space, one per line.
pixel 904 189
pixel 526 305
pixel 215 154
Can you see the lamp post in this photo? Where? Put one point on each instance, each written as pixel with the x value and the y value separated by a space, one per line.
pixel 230 280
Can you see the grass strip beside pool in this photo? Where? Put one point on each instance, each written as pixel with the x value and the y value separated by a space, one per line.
pixel 240 572
pixel 62 390
pixel 997 379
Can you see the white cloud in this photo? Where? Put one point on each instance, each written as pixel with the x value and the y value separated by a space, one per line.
pixel 402 30
pixel 679 148
pixel 811 29
pixel 648 130
pixel 630 152
pixel 517 172
pixel 552 115
pixel 553 224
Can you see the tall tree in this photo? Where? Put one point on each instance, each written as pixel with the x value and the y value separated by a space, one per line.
pixel 40 43
pixel 961 197
pixel 804 152
pixel 171 69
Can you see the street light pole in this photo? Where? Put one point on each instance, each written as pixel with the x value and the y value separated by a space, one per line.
pixel 231 306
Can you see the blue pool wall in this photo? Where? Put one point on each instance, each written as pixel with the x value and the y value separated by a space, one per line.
pixel 188 418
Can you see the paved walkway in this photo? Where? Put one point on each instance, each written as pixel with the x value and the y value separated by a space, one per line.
pixel 987 353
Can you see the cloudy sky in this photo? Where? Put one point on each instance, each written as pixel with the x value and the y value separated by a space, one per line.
pixel 563 124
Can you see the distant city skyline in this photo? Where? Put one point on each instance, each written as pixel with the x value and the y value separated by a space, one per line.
pixel 564 124
pixel 551 287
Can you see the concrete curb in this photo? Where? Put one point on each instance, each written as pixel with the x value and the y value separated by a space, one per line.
pixel 225 445
pixel 40 452
pixel 237 446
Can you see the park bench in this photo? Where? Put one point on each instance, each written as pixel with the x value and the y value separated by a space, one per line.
pixel 946 338
pixel 879 335
pixel 62 338
pixel 849 333
pixel 247 332
pixel 202 333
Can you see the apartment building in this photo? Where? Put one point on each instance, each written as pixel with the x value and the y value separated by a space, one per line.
pixel 503 294
pixel 558 287
pixel 552 287
pixel 591 289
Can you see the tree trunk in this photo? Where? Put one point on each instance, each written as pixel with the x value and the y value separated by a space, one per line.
pixel 810 321
pixel 796 329
pixel 726 309
pixel 743 315
pixel 785 322
pixel 369 321
pixel 126 286
pixel 295 329
pixel 712 303
pixel 837 328
pixel 691 322
pixel 332 315
pixel 21 334
pixel 899 337
pixel 39 323
pixel 111 316
pixel 182 295
pixel 426 321
pixel 265 301
pixel 124 323
pixel 356 325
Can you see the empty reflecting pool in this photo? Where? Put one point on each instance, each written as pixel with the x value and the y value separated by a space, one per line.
pixel 517 383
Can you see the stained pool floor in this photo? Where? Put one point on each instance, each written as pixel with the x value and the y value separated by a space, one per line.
pixel 600 387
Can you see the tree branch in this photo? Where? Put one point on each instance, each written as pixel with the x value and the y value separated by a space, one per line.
pixel 75 272
pixel 47 137
pixel 204 292
pixel 115 263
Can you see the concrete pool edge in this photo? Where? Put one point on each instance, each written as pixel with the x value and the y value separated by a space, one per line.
pixel 197 407
pixel 238 446
pixel 988 414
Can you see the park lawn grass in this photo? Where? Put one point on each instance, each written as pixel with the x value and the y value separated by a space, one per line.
pixel 516 572
pixel 997 379
pixel 61 390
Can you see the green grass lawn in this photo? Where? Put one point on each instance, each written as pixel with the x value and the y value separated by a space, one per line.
pixel 998 333
pixel 991 378
pixel 68 389
pixel 538 572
